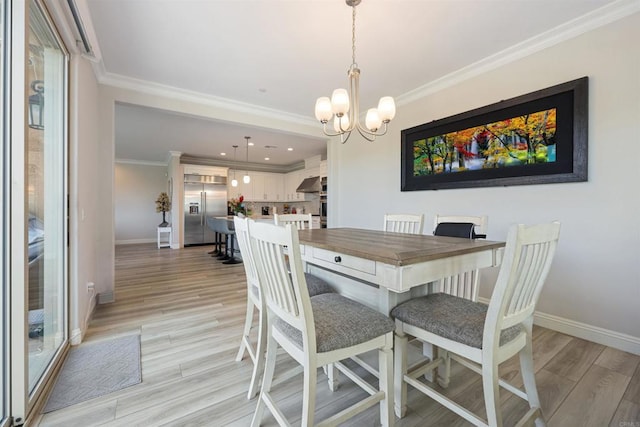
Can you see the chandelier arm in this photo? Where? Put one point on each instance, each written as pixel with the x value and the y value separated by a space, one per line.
pixel 354 84
pixel 324 130
pixel 367 135
pixel 344 139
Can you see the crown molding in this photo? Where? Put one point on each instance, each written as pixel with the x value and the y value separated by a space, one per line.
pixel 237 165
pixel 140 162
pixel 595 19
pixel 157 89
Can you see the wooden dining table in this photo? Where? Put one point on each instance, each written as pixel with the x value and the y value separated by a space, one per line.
pixel 382 269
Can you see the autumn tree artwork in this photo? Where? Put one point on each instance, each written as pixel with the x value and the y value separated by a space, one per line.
pixel 539 137
pixel 522 140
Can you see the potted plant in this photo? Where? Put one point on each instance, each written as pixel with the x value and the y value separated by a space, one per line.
pixel 163 204
pixel 237 205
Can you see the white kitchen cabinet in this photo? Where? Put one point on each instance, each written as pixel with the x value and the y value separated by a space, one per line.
pixel 204 170
pixel 292 181
pixel 323 168
pixel 274 187
pixel 264 186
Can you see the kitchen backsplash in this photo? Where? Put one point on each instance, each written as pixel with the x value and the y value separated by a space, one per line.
pixel 312 207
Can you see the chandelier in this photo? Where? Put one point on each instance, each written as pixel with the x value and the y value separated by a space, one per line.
pixel 346 119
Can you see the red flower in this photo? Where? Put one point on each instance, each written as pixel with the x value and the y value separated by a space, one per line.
pixel 241 199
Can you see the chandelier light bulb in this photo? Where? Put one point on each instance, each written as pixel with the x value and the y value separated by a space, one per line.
pixel 340 102
pixel 324 111
pixel 341 124
pixel 373 121
pixel 386 109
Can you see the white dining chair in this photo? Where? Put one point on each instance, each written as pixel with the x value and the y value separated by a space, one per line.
pixel 301 221
pixel 481 337
pixel 465 283
pixel 315 286
pixel 315 331
pixel 404 223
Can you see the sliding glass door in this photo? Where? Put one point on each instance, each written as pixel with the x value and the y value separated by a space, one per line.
pixel 35 194
pixel 46 194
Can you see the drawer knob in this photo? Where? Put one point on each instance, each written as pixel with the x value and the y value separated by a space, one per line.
pixel 337 259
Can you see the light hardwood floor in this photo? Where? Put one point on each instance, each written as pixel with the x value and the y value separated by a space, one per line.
pixel 189 309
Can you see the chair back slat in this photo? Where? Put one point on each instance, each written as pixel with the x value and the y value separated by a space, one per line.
pixel 300 221
pixel 279 265
pixel 533 264
pixel 404 223
pixel 527 260
pixel 466 284
pixel 461 285
pixel 241 227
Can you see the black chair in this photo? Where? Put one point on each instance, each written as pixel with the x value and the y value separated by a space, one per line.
pixel 458 229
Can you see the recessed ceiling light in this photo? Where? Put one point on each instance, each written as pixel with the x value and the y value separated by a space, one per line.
pixel 289 149
pixel 223 154
pixel 266 158
pixel 251 144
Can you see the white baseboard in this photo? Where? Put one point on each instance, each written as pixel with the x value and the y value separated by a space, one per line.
pixel 591 333
pixel 135 241
pixel 77 335
pixel 106 297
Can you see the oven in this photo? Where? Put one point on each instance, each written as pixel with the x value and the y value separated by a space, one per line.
pixel 323 202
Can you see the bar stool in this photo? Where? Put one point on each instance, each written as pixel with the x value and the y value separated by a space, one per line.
pixel 217 245
pixel 225 227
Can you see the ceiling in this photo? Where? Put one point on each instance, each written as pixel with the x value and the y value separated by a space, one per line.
pixel 280 55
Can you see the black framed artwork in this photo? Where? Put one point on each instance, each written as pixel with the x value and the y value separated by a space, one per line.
pixel 537 138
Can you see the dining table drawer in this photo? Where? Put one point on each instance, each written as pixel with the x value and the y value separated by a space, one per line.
pixel 345 261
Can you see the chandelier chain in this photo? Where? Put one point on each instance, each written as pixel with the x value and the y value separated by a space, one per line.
pixel 353 37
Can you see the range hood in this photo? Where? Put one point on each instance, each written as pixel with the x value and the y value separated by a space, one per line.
pixel 309 185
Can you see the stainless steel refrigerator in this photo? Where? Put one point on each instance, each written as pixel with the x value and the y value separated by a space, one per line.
pixel 204 196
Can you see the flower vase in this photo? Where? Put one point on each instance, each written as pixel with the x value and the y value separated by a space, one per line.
pixel 164 221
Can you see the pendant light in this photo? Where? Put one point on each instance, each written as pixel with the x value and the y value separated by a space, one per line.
pixel 247 179
pixel 234 181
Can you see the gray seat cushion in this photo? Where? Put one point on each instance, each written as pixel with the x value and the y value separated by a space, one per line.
pixel 340 323
pixel 454 318
pixel 316 285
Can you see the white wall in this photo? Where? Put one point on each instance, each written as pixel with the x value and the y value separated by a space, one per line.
pixel 594 286
pixel 137 187
pixel 83 212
